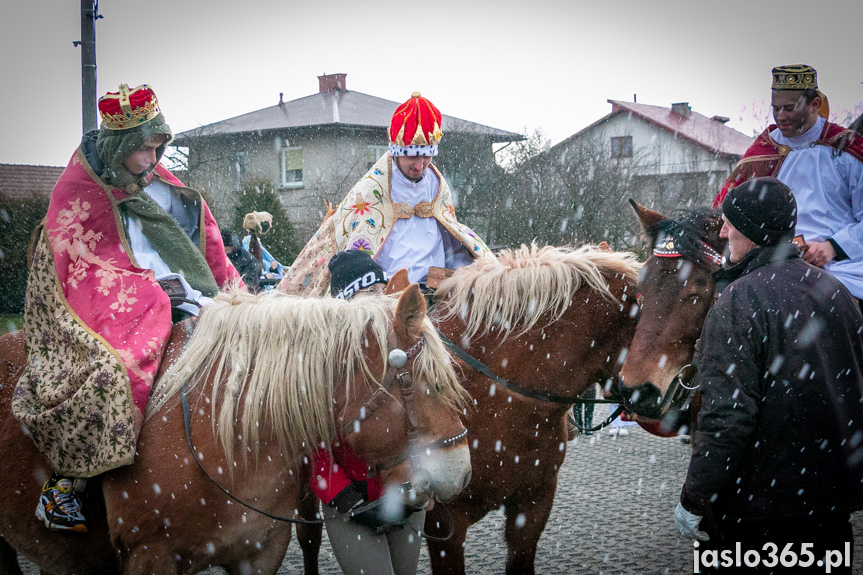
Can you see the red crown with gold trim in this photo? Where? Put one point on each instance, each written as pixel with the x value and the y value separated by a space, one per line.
pixel 415 124
pixel 128 108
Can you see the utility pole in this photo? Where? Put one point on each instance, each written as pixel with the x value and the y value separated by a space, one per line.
pixel 89 15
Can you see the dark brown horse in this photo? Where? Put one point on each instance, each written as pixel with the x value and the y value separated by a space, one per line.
pixel 676 291
pixel 268 378
pixel 550 321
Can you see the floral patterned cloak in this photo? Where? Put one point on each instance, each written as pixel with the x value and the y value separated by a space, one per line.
pixel 95 324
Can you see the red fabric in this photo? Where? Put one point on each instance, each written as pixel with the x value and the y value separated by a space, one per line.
pixel 112 297
pixel 654 428
pixel 110 102
pixel 332 475
pixel 764 157
pixel 417 114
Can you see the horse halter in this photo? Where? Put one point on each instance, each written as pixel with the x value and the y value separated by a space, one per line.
pixel 397 360
pixel 685 382
pixel 707 255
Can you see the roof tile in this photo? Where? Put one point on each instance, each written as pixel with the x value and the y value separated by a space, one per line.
pixel 346 108
pixel 21 181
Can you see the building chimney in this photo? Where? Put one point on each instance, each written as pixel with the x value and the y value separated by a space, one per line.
pixel 281 99
pixel 720 119
pixel 332 83
pixel 681 109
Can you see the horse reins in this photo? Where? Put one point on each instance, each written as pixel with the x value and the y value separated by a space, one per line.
pixel 545 396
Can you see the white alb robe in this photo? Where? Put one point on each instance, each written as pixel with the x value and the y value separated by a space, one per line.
pixel 418 243
pixel 829 192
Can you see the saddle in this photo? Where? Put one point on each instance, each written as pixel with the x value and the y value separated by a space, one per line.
pixel 436 275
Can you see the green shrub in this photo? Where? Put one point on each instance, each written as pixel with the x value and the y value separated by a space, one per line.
pixel 18 218
pixel 259 195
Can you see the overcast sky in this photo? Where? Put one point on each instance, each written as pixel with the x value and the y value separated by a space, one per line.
pixel 518 65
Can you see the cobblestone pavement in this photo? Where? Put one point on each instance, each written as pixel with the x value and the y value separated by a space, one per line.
pixel 612 515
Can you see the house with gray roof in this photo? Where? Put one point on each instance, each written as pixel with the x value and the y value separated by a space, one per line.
pixel 313 149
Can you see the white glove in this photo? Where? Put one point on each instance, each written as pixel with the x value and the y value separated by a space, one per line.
pixel 687 524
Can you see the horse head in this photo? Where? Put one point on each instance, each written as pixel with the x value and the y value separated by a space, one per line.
pixel 290 374
pixel 436 457
pixel 676 290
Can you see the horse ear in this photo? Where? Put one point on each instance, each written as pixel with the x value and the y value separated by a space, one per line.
pixel 399 282
pixel 648 217
pixel 410 313
pixel 604 247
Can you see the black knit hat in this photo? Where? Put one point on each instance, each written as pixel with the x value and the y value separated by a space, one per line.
pixel 353 270
pixel 762 209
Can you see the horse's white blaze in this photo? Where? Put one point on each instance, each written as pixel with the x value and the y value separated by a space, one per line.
pixel 448 468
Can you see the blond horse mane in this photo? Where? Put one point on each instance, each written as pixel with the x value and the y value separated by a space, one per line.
pixel 276 359
pixel 513 292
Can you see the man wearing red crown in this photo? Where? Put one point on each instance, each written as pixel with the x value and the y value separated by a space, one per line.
pixel 401 211
pixel 96 319
pixel 822 163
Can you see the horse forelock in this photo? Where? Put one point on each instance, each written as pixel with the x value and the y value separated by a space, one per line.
pixel 276 360
pixel 513 292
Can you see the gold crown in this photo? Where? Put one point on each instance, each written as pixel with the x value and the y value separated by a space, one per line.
pixel 128 108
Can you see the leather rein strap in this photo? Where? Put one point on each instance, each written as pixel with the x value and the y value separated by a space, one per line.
pixel 510 385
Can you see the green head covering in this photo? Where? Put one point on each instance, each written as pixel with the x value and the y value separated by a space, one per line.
pixel 115 146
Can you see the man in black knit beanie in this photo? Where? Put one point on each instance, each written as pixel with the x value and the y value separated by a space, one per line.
pixel 777 453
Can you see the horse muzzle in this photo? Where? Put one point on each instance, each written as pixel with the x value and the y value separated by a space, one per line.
pixel 449 471
pixel 644 400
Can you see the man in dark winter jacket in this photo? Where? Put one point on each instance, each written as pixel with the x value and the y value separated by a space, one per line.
pixel 778 455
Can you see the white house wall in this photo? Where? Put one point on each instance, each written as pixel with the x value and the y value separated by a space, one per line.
pixel 658 151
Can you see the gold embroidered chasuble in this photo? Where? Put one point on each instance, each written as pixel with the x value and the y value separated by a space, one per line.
pixel 364 220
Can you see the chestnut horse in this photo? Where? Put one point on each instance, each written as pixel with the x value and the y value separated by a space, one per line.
pixel 676 292
pixel 268 378
pixel 550 321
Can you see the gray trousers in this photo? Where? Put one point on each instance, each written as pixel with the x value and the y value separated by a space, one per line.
pixel 360 552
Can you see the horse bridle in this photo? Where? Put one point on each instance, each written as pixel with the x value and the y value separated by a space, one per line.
pixel 397 361
pixel 685 382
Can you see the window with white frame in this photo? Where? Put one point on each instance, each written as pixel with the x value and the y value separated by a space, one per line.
pixel 292 167
pixel 373 154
